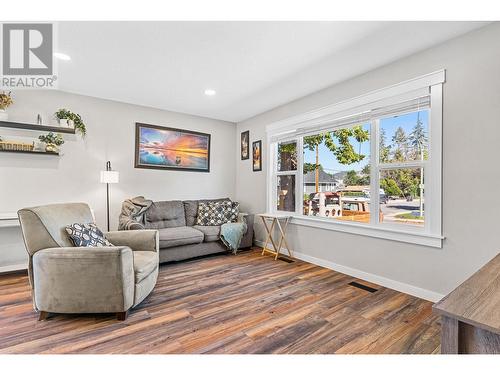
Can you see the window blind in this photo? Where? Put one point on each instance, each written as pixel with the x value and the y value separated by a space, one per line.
pixel 322 125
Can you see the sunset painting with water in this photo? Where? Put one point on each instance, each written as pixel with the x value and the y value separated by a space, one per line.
pixel 168 148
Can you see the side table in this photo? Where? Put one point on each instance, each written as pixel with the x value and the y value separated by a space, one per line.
pixel 281 222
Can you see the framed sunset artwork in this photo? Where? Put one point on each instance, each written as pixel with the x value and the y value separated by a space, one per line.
pixel 160 147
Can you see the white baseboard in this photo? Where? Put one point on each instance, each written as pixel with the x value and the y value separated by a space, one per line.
pixel 13 267
pixel 370 277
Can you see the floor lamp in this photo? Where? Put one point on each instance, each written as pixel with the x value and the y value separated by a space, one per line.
pixel 109 176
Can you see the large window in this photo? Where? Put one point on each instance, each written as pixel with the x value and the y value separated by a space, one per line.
pixel 374 168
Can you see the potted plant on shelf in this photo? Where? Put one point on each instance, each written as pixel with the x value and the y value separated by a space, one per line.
pixel 52 142
pixel 71 119
pixel 63 115
pixel 5 101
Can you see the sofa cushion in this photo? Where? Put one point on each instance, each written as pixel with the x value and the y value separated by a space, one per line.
pixel 167 214
pixel 211 233
pixel 191 209
pixel 145 262
pixel 171 237
pixel 214 213
pixel 235 210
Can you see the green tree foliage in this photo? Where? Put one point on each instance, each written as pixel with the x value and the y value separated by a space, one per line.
pixel 287 156
pixel 339 143
pixel 403 182
pixel 400 140
pixel 390 187
pixel 366 170
pixel 383 148
pixel 309 167
pixel 352 178
pixel 418 139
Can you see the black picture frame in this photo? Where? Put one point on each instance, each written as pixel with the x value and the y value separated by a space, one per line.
pixel 245 145
pixel 139 164
pixel 257 156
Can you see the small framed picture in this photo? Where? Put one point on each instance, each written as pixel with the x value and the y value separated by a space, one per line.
pixel 245 145
pixel 257 156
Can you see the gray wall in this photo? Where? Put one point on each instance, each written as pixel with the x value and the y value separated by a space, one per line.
pixel 27 180
pixel 471 173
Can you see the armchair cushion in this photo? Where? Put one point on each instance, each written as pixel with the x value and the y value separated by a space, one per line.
pixel 145 262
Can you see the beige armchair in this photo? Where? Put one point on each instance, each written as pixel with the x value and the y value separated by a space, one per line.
pixel 68 279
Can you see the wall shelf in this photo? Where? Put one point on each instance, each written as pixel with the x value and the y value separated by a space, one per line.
pixel 40 128
pixel 8 219
pixel 31 152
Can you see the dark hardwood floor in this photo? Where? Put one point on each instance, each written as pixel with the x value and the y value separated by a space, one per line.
pixel 231 304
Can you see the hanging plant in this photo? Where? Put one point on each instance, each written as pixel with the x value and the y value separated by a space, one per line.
pixel 64 114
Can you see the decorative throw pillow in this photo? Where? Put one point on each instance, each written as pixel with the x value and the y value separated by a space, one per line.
pixel 87 235
pixel 214 213
pixel 235 210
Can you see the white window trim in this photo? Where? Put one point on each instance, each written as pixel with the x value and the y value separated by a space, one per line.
pixel 431 234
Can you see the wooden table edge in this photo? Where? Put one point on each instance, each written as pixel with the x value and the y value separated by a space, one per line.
pixel 475 323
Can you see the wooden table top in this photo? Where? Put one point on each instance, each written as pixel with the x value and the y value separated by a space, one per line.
pixel 477 300
pixel 275 216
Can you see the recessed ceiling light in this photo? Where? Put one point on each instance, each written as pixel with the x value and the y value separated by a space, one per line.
pixel 62 56
pixel 210 92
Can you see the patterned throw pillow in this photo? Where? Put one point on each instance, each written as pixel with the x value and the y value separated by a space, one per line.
pixel 87 235
pixel 235 210
pixel 214 213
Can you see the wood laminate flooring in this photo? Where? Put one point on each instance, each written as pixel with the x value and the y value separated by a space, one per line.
pixel 246 303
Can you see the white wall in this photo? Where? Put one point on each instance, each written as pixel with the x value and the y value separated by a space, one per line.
pixel 471 172
pixel 28 180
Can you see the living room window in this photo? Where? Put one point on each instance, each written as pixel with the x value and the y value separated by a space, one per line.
pixel 373 169
pixel 286 175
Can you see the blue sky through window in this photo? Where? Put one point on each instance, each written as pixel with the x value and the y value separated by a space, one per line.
pixel 390 124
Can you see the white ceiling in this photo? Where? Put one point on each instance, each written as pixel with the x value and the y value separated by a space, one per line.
pixel 253 66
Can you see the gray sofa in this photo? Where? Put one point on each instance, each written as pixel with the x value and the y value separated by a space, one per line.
pixel 180 237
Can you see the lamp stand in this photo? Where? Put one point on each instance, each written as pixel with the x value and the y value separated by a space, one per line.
pixel 107 204
pixel 108 168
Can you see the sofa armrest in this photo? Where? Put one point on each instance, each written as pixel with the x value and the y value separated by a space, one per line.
pixel 137 240
pixel 134 225
pixel 83 279
pixel 247 240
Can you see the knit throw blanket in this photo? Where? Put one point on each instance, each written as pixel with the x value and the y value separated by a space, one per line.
pixel 132 215
pixel 231 235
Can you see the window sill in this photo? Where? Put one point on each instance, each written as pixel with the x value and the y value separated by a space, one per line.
pixel 388 233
